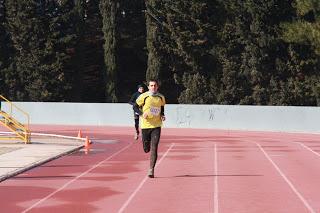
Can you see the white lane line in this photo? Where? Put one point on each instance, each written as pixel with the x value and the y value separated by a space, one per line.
pixel 124 206
pixel 308 148
pixel 216 201
pixel 311 210
pixel 76 178
pixel 46 134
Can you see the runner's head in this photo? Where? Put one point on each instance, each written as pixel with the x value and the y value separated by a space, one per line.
pixel 140 88
pixel 153 86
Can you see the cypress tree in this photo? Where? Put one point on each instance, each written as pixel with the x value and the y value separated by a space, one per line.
pixel 60 45
pixel 131 46
pixel 161 62
pixel 41 39
pixel 3 49
pixel 2 35
pixel 23 27
pixel 89 53
pixel 109 13
pixel 155 59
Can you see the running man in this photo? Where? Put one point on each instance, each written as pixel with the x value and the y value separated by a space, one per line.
pixel 150 106
pixel 135 114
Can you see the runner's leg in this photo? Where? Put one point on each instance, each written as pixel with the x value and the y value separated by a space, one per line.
pixel 136 125
pixel 146 139
pixel 155 138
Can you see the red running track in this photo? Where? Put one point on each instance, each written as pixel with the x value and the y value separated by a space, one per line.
pixel 198 171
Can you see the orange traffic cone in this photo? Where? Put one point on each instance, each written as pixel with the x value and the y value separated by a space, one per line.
pixel 79 134
pixel 87 142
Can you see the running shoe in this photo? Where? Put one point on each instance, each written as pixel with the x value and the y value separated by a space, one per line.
pixel 151 173
pixel 136 136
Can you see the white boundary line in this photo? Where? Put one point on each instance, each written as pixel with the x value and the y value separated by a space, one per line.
pixel 308 148
pixel 76 178
pixel 142 182
pixel 215 192
pixel 311 210
pixel 45 134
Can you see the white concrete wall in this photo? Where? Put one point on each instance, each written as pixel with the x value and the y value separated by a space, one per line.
pixel 265 118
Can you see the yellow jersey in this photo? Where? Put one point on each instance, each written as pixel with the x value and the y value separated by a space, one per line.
pixel 151 103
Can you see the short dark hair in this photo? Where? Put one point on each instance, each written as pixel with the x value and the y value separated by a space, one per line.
pixel 153 80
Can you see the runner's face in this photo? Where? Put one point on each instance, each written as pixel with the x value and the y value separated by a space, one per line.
pixel 140 89
pixel 153 86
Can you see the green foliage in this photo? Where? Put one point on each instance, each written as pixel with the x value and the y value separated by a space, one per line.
pixel 183 38
pixel 131 46
pixel 306 28
pixel 315 86
pixel 89 82
pixel 108 10
pixel 304 7
pixel 60 48
pixel 3 57
pixel 262 52
pixel 303 32
pixel 303 35
pixel 249 50
pixel 155 56
pixel 42 40
pixel 24 30
pixel 197 90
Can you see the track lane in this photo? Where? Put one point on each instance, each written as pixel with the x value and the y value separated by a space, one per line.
pixel 249 183
pixel 206 171
pixel 302 168
pixel 188 168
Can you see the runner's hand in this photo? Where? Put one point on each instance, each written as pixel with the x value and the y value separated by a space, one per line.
pixel 145 115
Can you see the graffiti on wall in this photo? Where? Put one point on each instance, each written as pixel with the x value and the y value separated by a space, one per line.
pixel 183 117
pixel 215 112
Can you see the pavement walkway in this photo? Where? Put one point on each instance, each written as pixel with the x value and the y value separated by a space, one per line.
pixel 17 157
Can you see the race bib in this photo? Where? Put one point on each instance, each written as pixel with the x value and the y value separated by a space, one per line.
pixel 155 111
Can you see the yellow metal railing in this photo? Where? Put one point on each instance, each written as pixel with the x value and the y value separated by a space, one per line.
pixel 21 131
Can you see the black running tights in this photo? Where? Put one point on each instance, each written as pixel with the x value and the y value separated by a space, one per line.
pixel 150 139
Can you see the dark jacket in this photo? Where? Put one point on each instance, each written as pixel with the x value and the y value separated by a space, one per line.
pixel 134 97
